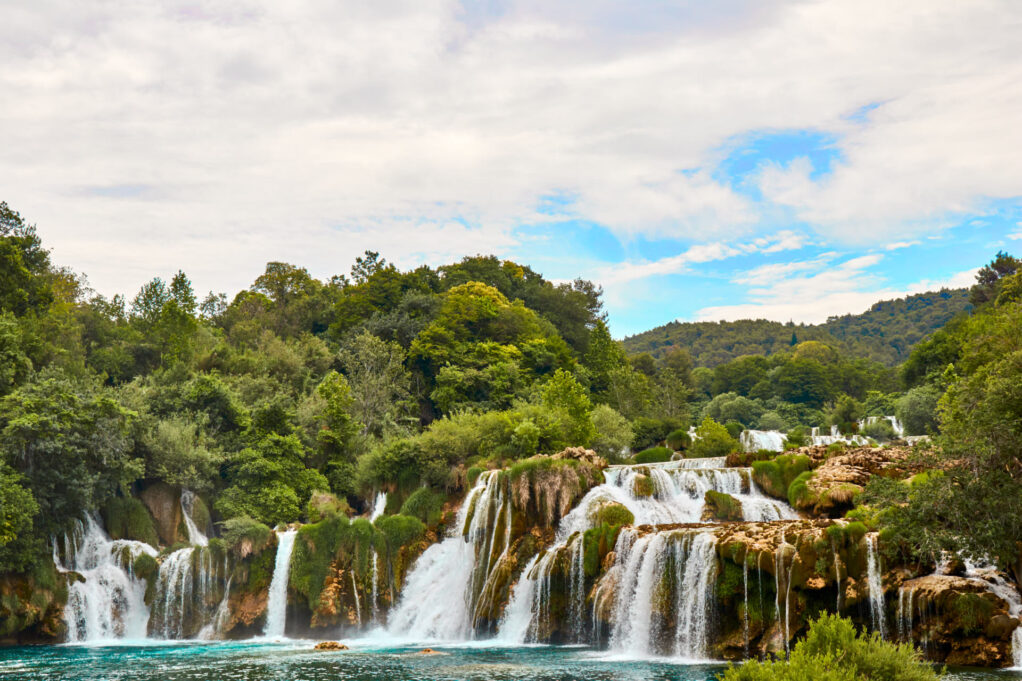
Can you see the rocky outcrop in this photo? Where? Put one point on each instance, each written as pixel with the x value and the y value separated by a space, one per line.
pixel 836 480
pixel 330 645
pixel 956 620
pixel 164 503
pixel 31 606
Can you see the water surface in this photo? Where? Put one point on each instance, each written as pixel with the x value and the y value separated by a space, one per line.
pixel 297 661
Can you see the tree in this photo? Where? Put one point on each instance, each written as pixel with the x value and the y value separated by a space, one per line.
pixel 378 379
pixel 603 356
pixel 73 448
pixel 25 270
pixel 803 381
pixel 18 509
pixel 917 410
pixel 989 277
pixel 563 393
pixel 712 439
pixel 613 433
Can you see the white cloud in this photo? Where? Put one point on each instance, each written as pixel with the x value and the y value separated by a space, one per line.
pixel 144 137
pixel 699 253
pixel 901 244
pixel 1015 235
pixel 811 291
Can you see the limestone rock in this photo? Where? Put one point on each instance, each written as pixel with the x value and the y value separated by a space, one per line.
pixel 330 645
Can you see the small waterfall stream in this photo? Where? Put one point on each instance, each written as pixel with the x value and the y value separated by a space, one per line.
pixel 109 600
pixel 276 602
pixel 876 587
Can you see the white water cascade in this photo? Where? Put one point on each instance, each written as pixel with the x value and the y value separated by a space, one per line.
pixel 109 600
pixel 379 506
pixel 755 440
pixel 876 587
pixel 443 588
pixel 1002 588
pixel 276 603
pixel 195 535
pixel 642 560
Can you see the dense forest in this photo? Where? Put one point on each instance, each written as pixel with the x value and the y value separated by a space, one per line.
pixel 298 400
pixel 885 333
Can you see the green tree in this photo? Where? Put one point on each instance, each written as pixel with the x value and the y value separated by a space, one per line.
pixel 18 509
pixel 603 357
pixel 917 410
pixel 562 392
pixel 73 447
pixel 803 381
pixel 613 433
pixel 988 279
pixel 378 380
pixel 712 439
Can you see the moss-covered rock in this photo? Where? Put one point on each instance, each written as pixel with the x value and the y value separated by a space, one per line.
pixel 545 488
pixel 720 506
pixel 128 518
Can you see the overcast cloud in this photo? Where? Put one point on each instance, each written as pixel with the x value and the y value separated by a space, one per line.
pixel 215 136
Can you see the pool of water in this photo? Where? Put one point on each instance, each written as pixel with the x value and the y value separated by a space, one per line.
pixel 297 661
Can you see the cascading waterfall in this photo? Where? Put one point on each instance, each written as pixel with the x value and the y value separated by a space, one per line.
pixel 999 586
pixel 755 440
pixel 109 602
pixel 276 603
pixel 442 589
pixel 905 598
pixel 876 587
pixel 195 535
pixel 379 506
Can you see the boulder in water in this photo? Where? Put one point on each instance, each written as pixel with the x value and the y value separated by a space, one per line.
pixel 429 651
pixel 330 645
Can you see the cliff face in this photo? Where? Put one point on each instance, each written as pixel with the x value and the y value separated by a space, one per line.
pixel 32 607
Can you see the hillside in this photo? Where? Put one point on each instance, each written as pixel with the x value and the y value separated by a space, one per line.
pixel 886 332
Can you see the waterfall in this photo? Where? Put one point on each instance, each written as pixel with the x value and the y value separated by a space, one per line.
pixel 441 590
pixel 374 606
pixel 109 601
pixel 905 596
pixel 999 586
pixel 745 603
pixel 379 505
pixel 876 587
pixel 213 629
pixel 276 602
pixel 174 594
pixel 195 535
pixel 755 440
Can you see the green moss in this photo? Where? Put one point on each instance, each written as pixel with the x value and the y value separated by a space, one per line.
pixel 971 613
pixel 323 505
pixel 597 542
pixel 678 439
pixel 145 566
pixel 424 504
pixel 613 514
pixel 128 518
pixel 200 514
pixel 654 455
pixel 642 486
pixel 473 474
pixel 730 581
pixel 723 506
pixel 799 495
pixel 776 476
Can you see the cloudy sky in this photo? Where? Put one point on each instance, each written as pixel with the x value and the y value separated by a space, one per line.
pixel 700 160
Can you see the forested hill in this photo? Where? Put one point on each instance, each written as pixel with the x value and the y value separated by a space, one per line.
pixel 886 332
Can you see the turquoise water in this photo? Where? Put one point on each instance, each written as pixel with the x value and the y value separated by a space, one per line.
pixel 297 661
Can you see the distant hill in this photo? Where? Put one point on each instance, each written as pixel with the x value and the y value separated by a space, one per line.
pixel 886 332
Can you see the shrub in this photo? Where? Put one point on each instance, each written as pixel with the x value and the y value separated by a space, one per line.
pixel 424 504
pixel 323 505
pixel 798 492
pixel 678 439
pixel 833 651
pixel 244 535
pixel 734 429
pixel 613 433
pixel 917 410
pixel 654 455
pixel 771 420
pixel 796 438
pixel 776 476
pixel 712 439
pixel 723 506
pixel 881 430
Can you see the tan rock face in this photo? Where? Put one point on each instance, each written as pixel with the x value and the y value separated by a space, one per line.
pixel 164 503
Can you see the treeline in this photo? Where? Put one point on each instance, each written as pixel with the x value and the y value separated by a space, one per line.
pixel 886 333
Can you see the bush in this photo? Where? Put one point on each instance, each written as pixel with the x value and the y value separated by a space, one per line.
pixel 833 651
pixel 243 535
pixel 776 476
pixel 712 439
pixel 734 429
pixel 880 430
pixel 128 518
pixel 678 439
pixel 796 438
pixel 653 455
pixel 424 504
pixel 323 505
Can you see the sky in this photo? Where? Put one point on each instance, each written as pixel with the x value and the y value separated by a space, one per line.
pixel 698 160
